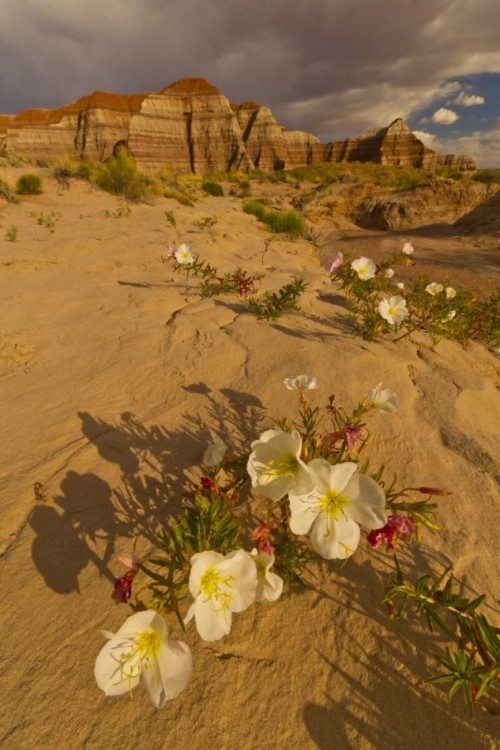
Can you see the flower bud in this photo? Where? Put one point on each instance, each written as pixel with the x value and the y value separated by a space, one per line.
pixel 433 491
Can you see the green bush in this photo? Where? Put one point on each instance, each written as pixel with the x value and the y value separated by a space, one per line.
pixel 85 170
pixel 8 191
pixel 178 195
pixel 119 175
pixel 288 222
pixel 29 184
pixel 212 188
pixel 487 175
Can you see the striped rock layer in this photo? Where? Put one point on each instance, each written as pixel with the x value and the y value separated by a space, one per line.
pixel 193 128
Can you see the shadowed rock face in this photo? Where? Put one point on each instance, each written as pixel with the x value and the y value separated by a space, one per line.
pixel 192 127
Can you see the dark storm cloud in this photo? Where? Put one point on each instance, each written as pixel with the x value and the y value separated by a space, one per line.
pixel 332 67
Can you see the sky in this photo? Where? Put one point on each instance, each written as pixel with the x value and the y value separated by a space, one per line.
pixel 334 68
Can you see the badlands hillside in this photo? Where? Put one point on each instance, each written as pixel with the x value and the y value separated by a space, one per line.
pixel 192 127
pixel 115 376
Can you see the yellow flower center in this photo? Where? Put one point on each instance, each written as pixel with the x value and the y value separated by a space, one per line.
pixel 392 311
pixel 145 646
pixel 333 504
pixel 287 465
pixel 215 586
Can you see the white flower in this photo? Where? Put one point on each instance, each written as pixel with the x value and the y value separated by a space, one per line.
pixel 183 255
pixel 341 502
pixel 364 267
pixel 385 400
pixel 449 316
pixel 408 248
pixel 434 288
pixel 393 310
pixel 389 273
pixel 400 285
pixel 275 465
pixel 141 649
pixel 301 383
pixel 450 292
pixel 220 586
pixel 214 453
pixel 269 585
pixel 337 262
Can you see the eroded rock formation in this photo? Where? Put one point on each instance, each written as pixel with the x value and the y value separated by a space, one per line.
pixel 192 127
pixel 443 201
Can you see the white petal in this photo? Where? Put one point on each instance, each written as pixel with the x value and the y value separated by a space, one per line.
pixel 303 513
pixel 142 621
pixel 200 562
pixel 152 679
pixel 212 624
pixel 366 502
pixel 303 482
pixel 334 539
pixel 267 435
pixel 340 475
pixel 172 672
pixel 241 567
pixel 109 676
pixel 273 587
pixel 274 490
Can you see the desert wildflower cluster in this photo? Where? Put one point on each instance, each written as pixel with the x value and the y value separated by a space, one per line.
pixel 379 304
pixel 321 499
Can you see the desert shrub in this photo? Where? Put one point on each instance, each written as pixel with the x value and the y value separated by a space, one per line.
pixel 286 222
pixel 406 179
pixel 487 175
pixel 29 184
pixel 8 190
pixel 11 234
pixel 178 195
pixel 119 175
pixel 66 169
pixel 212 188
pixel 85 170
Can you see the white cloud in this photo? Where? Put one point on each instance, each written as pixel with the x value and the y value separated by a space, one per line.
pixel 467 100
pixel 444 116
pixel 483 146
pixel 424 121
pixel 427 138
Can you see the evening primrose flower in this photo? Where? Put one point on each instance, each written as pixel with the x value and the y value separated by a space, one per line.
pixel 389 273
pixel 301 383
pixel 337 262
pixel 183 255
pixel 341 502
pixel 220 585
pixel 434 288
pixel 400 285
pixel 385 400
pixel 140 649
pixel 393 310
pixel 408 249
pixel 275 466
pixel 449 316
pixel 214 453
pixel 269 585
pixel 365 268
pixel 450 292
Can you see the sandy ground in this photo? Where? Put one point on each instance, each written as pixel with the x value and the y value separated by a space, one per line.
pixel 115 375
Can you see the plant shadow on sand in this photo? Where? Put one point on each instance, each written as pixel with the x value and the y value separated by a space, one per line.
pixel 377 705
pixel 154 464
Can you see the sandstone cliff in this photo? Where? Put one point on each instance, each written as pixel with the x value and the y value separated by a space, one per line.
pixel 191 126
